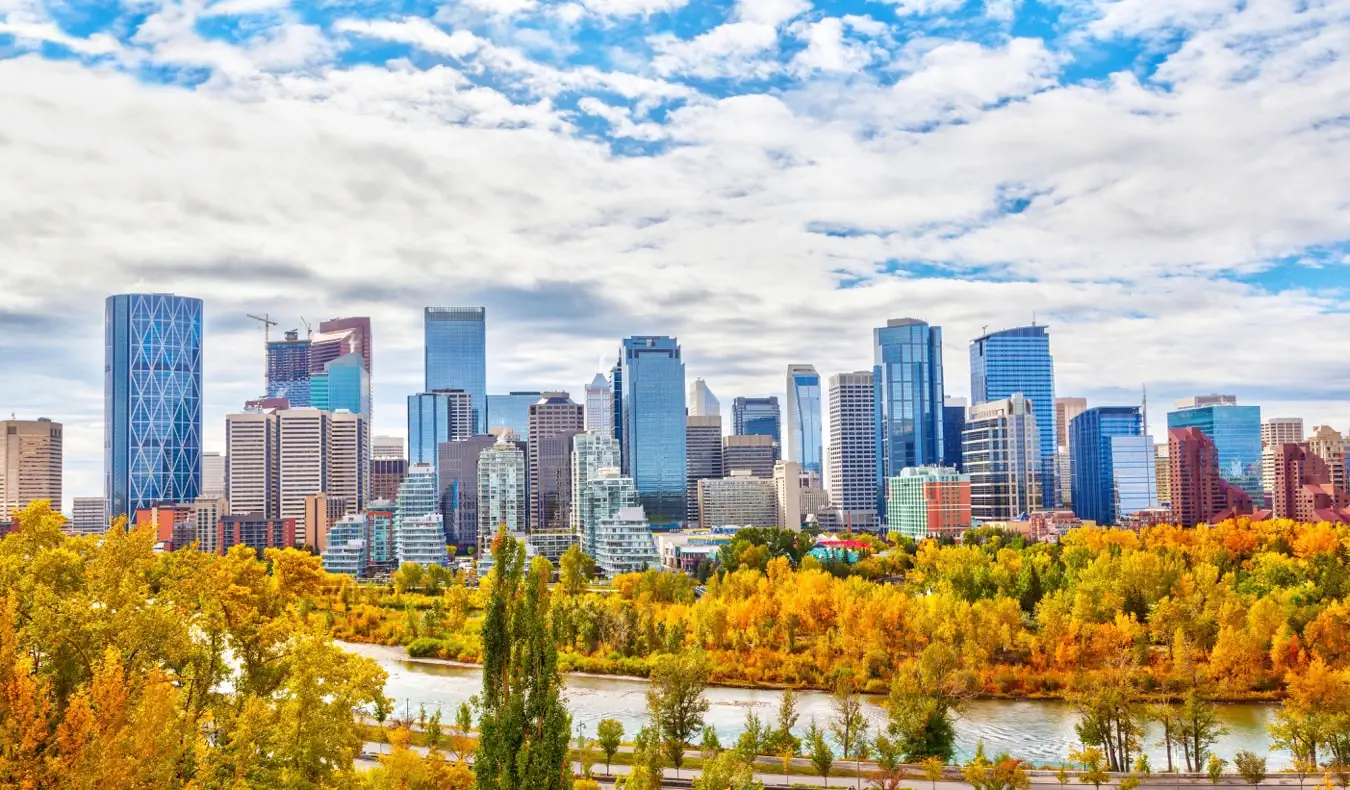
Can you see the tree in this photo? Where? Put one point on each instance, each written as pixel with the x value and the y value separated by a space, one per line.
pixel 676 703
pixel 575 571
pixel 709 746
pixel 924 700
pixel 890 764
pixel 610 734
pixel 1165 714
pixel 648 761
pixel 1198 728
pixel 1109 718
pixel 933 769
pixel 1094 766
pixel 524 727
pixel 727 771
pixel 1214 768
pixel 822 758
pixel 755 737
pixel 1250 767
pixel 848 725
pixel 787 719
pixel 1001 773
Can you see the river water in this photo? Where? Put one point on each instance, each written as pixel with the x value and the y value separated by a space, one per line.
pixel 1039 731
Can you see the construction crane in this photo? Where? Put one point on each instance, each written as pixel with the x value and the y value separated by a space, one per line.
pixel 309 330
pixel 267 323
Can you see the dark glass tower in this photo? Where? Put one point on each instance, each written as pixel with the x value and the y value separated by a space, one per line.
pixel 654 425
pixel 907 376
pixel 456 355
pixel 757 417
pixel 1018 360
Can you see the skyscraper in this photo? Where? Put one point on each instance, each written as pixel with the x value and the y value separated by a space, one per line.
pixel 804 418
pixel 288 368
pixel 1194 476
pixel 1018 360
pixel 600 405
pixel 1236 433
pixel 30 464
pixel 1114 472
pixel 1001 446
pixel 554 420
pixel 458 475
pixel 303 437
pixel 702 401
pixel 1065 410
pixel 703 440
pixel 654 425
pixel 591 452
pixel 512 410
pixel 89 515
pixel 363 341
pixel 152 400
pixel 418 535
pixel 739 499
pixel 344 384
pixel 435 417
pixel 456 356
pixel 953 425
pixel 751 453
pixel 757 417
pixel 1275 433
pixel 604 495
pixel 907 373
pixel 213 476
pixel 251 471
pixel 387 447
pixel 853 448
pixel 501 492
pixel 349 461
pixel 1328 444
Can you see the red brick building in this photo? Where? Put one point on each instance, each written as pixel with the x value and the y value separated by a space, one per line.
pixel 1305 487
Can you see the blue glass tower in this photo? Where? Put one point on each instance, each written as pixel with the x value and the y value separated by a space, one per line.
pixel 1113 470
pixel 152 400
pixel 288 374
pixel 512 411
pixel 953 423
pixel 654 426
pixel 456 355
pixel 1236 433
pixel 907 376
pixel 1018 360
pixel 804 423
pixel 344 384
pixel 433 418
pixel 757 417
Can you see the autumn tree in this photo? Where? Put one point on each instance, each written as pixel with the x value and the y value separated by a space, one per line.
pixel 575 571
pixel 675 701
pixel 923 702
pixel 1251 767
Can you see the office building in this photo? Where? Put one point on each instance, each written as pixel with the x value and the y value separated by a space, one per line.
pixel 554 419
pixel 172 523
pixel 616 385
pixel 737 500
pixel 30 464
pixel 853 449
pixel 321 513
pixel 818 510
pixel 1114 474
pixel 654 426
pixel 953 425
pixel 385 476
pixel 1200 494
pixel 288 369
pixel 435 417
pixel 344 384
pixel 303 437
pixel 702 401
pixel 787 490
pixel 703 443
pixel 928 502
pixel 89 515
pixel 1163 473
pixel 591 452
pixel 1065 410
pixel 255 531
pixel 750 452
pixel 459 489
pixel 624 544
pixel 605 493
pixel 803 441
pixel 502 476
pixel 213 475
pixel 420 540
pixel 387 447
pixel 152 400
pixel 206 513
pixel 1236 433
pixel 349 460
pixel 1014 361
pixel 757 417
pixel 1001 447
pixel 325 347
pixel 348 550
pixel 456 356
pixel 512 411
pixel 1275 433
pixel 907 376
pixel 1328 444
pixel 1303 489
pixel 600 406
pixel 251 463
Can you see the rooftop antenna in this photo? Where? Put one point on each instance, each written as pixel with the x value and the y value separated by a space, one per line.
pixel 1033 317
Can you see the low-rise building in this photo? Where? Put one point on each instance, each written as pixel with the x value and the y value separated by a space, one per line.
pixel 740 499
pixel 348 550
pixel 624 544
pixel 255 531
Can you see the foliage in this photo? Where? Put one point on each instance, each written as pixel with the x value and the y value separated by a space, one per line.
pixel 575 571
pixel 1001 773
pixel 727 771
pixel 1093 763
pixel 848 725
pixel 1250 767
pixel 609 732
pixel 818 749
pixel 1214 768
pixel 676 703
pixel 924 700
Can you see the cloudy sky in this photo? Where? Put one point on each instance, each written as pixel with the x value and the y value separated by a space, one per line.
pixel 1166 184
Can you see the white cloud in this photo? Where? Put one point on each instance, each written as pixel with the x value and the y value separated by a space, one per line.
pixel 244 7
pixel 415 31
pixel 626 8
pixel 827 51
pixel 734 49
pixel 770 12
pixel 34 31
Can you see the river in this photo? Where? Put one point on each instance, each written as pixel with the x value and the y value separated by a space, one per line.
pixel 1039 731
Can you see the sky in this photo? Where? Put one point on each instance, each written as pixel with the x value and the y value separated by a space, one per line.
pixel 1166 185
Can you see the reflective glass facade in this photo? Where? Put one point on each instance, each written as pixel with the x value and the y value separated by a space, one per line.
pixel 1018 360
pixel 435 417
pixel 654 426
pixel 804 418
pixel 152 382
pixel 907 375
pixel 456 355
pixel 1236 433
pixel 757 417
pixel 512 411
pixel 288 370
pixel 349 385
pixel 1114 473
pixel 953 423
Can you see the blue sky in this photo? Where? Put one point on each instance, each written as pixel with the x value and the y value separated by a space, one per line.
pixel 1167 185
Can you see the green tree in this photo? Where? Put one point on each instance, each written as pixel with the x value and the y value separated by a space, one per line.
pixel 1250 767
pixel 787 719
pixel 524 727
pixel 848 725
pixel 822 757
pixel 709 746
pixel 727 771
pixel 1198 728
pixel 675 701
pixel 923 702
pixel 1109 718
pixel 1214 768
pixel 755 737
pixel 575 571
pixel 610 734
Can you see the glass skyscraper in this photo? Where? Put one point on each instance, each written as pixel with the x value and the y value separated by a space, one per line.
pixel 757 417
pixel 1018 360
pixel 907 375
pixel 288 369
pixel 512 411
pixel 456 355
pixel 1113 470
pixel 1236 433
pixel 654 425
pixel 152 390
pixel 804 418
pixel 433 418
pixel 953 423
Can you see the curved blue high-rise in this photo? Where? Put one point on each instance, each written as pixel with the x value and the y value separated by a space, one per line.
pixel 1018 360
pixel 152 396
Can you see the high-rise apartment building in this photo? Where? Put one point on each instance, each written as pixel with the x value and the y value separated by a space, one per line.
pixel 206 514
pixel 348 550
pixel 1001 447
pixel 89 515
pixel 1163 472
pixel 738 499
pixel 502 475
pixel 1200 494
pixel 907 375
pixel 624 544
pixel 456 356
pixel 654 426
pixel 349 460
pixel 512 411
pixel 303 447
pixel 953 424
pixel 703 440
pixel 1328 444
pixel 418 535
pixel 554 420
pixel 853 448
pixel 605 493
pixel 1015 361
pixel 458 473
pixel 754 453
pixel 252 468
pixel 1114 474
pixel 757 417
pixel 1303 489
pixel 435 417
pixel 591 452
pixel 1275 433
pixel 600 406
pixel 152 386
pixel 30 464
pixel 213 476
pixel 1235 431
pixel 255 531
pixel 804 432
pixel 702 401
pixel 928 502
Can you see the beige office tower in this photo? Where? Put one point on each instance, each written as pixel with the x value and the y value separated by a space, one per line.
pixel 251 464
pixel 89 515
pixel 30 464
pixel 853 449
pixel 1327 443
pixel 302 459
pixel 349 461
pixel 206 513
pixel 1065 410
pixel 1162 464
pixel 787 484
pixel 1276 432
pixel 213 475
